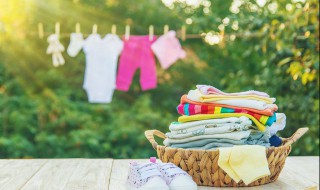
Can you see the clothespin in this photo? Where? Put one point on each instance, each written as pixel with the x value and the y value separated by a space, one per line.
pixel 57 28
pixel 165 29
pixel 183 33
pixel 151 32
pixel 94 29
pixel 127 33
pixel 114 29
pixel 40 29
pixel 78 27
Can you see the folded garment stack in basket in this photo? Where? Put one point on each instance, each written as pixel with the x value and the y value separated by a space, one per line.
pixel 212 118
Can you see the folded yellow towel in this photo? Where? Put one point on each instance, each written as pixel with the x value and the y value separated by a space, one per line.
pixel 223 162
pixel 245 162
pixel 197 117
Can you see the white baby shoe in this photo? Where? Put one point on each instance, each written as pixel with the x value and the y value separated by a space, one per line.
pixel 145 177
pixel 176 178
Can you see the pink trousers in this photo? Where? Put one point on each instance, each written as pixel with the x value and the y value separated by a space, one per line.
pixel 137 54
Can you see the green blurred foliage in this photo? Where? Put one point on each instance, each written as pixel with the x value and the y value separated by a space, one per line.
pixel 44 110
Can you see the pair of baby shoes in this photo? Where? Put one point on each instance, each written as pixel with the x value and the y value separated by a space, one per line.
pixel 158 176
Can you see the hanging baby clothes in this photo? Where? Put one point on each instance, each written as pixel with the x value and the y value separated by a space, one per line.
pixel 55 48
pixel 101 66
pixel 76 43
pixel 137 54
pixel 168 49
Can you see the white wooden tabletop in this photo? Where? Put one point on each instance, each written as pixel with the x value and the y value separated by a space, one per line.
pixel 110 174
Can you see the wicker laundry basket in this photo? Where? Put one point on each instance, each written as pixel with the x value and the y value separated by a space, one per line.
pixel 202 165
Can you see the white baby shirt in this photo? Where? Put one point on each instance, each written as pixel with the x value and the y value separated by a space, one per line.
pixel 101 66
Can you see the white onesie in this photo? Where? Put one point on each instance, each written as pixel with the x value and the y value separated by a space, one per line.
pixel 101 66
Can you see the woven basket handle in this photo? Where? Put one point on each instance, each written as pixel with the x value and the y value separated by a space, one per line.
pixel 150 136
pixel 296 136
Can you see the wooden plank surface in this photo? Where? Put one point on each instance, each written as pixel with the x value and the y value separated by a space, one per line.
pixel 304 166
pixel 104 174
pixel 4 162
pixel 53 175
pixel 91 174
pixel 71 174
pixel 16 173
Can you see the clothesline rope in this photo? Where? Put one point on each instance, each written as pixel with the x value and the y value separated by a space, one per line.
pixel 188 36
pixel 63 35
pixel 180 33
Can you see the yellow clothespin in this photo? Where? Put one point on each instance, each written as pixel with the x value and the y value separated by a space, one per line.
pixel 183 33
pixel 151 32
pixel 127 33
pixel 57 28
pixel 94 29
pixel 165 29
pixel 40 29
pixel 78 27
pixel 114 29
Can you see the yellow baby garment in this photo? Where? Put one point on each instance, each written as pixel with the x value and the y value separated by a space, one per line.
pixel 223 162
pixel 246 162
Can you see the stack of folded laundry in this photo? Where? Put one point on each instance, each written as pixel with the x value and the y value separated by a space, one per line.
pixel 212 118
